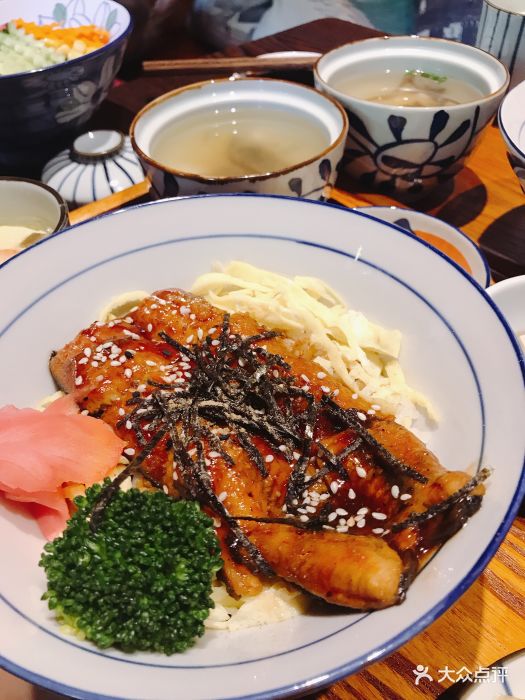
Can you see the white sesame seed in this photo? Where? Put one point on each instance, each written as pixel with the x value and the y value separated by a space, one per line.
pixel 128 319
pixel 211 330
pixel 395 491
pixel 351 494
pixel 325 389
pixel 405 497
pixel 185 310
pixel 154 306
pixel 304 518
pixel 275 373
pixel 301 510
pixel 100 377
pixel 371 412
pixel 189 339
pixel 321 375
pixel 150 363
pixel 207 462
pixel 362 511
pixel 87 352
pixel 327 527
pixel 85 412
pixel 324 496
pixel 342 521
pixel 241 362
pixel 305 378
pixel 214 454
pixel 268 459
pixel 193 317
pixel 282 448
pixel 350 522
pixel 192 451
pixel 83 361
pixel 284 508
pixel 342 528
pixel 94 363
pixel 295 502
pixel 200 333
pixel 361 523
pixel 129 425
pixel 334 487
pixel 296 455
pixel 361 472
pixel 221 497
pixel 336 392
pixel 355 396
pixel 331 517
pixel 376 407
pixel 142 387
pixel 310 509
pixel 361 415
pixel 165 489
pixel 128 373
pixel 78 381
pixel 378 530
pixel 121 412
pixel 215 343
pixel 114 363
pixel 379 516
pixel 129 451
pixel 341 511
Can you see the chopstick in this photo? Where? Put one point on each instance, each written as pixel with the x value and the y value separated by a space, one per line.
pixel 240 64
pixel 109 203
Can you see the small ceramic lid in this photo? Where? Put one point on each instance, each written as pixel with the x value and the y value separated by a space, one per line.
pixel 97 164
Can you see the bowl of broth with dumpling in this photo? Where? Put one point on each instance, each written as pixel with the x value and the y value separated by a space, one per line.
pixel 416 107
pixel 246 135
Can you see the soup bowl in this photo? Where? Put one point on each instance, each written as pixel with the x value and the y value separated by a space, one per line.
pixel 42 108
pixel 309 176
pixel 402 148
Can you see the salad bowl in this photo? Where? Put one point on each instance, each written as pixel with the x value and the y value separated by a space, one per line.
pixel 42 108
pixel 391 276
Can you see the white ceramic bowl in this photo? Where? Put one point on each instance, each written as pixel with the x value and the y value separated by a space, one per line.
pixel 509 296
pixel 412 148
pixel 310 179
pixel 416 221
pixel 31 205
pixel 396 280
pixel 511 119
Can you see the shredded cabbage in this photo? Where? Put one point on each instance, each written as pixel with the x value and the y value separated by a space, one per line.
pixel 346 344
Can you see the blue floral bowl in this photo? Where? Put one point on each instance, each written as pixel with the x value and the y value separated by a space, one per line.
pixel 411 149
pixel 40 109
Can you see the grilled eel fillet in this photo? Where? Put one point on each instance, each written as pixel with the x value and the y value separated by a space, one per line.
pixel 327 512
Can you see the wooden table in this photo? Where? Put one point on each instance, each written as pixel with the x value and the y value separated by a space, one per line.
pixel 485 200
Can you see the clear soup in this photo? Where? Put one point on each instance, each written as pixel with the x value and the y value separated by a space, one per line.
pixel 237 141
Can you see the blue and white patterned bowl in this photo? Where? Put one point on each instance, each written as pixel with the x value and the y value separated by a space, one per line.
pixel 310 179
pixel 97 164
pixel 511 118
pixel 410 149
pixel 41 108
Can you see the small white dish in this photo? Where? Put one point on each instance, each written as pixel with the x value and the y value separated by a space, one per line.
pixel 98 164
pixel 511 119
pixel 470 257
pixel 396 280
pixel 509 297
pixel 29 211
pixel 504 678
pixel 310 178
